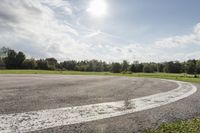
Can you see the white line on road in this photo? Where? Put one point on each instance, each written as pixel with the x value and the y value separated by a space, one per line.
pixel 38 120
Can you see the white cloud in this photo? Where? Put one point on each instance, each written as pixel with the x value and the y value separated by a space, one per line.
pixel 59 4
pixel 36 27
pixel 93 34
pixel 180 41
pixel 31 26
pixel 197 29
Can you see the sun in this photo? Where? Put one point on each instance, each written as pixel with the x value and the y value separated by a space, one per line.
pixel 97 8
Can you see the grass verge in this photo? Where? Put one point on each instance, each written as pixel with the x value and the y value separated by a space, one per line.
pixel 188 126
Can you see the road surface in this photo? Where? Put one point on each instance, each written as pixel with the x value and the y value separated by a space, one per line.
pixel 20 94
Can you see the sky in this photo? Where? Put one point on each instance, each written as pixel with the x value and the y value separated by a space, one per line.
pixel 108 30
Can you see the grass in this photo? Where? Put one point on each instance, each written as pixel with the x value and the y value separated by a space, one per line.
pixel 188 126
pixel 180 77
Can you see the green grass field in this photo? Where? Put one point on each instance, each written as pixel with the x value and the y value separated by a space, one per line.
pixel 189 126
pixel 180 77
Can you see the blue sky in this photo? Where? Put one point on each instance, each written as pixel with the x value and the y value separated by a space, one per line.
pixel 109 30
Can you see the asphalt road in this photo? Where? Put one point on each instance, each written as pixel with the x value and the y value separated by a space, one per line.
pixel 22 93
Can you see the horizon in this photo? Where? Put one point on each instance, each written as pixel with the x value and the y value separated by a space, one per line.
pixel 107 30
pixel 4 53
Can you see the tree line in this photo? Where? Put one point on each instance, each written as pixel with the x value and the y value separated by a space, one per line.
pixel 17 60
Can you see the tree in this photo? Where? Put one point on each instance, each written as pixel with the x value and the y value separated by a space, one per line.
pixel 160 67
pixel 82 66
pixel 148 68
pixel 191 67
pixel 177 67
pixel 42 64
pixel 30 64
pixel 92 65
pixel 3 52
pixel 14 60
pixel 20 57
pixel 106 67
pixel 69 65
pixel 2 64
pixel 99 66
pixel 132 68
pixel 125 66
pixel 51 63
pixel 10 60
pixel 139 67
pixel 116 67
pixel 198 67
pixel 173 67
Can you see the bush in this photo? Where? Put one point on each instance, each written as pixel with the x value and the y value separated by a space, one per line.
pixel 116 68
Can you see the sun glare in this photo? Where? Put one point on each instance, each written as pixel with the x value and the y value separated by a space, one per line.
pixel 97 8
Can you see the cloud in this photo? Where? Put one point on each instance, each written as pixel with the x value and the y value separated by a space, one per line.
pixel 35 28
pixel 48 28
pixel 197 29
pixel 93 34
pixel 180 41
pixel 61 5
pixel 32 26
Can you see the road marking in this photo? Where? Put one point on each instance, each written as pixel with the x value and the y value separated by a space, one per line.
pixel 38 120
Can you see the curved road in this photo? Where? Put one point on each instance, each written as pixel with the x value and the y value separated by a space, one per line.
pixel 25 93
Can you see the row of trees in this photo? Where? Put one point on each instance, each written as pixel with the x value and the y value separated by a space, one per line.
pixel 18 60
